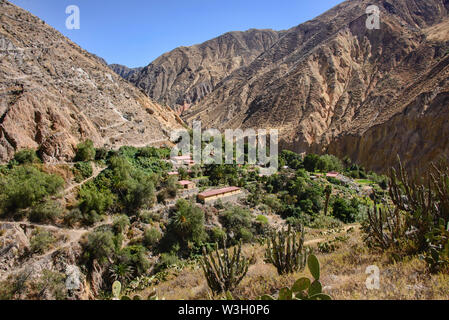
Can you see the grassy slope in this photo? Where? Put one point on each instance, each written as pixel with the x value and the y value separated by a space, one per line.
pixel 343 275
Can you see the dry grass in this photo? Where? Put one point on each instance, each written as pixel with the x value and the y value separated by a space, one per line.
pixel 343 276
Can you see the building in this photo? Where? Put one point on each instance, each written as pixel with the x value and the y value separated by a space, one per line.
pixel 173 173
pixel 332 174
pixel 181 161
pixel 214 195
pixel 188 185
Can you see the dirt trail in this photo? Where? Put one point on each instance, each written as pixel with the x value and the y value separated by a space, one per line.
pixel 96 173
pixel 315 241
pixel 73 235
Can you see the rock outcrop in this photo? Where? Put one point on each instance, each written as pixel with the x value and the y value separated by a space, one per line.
pixel 53 94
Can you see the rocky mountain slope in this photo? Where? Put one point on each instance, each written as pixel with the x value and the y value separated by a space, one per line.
pixel 186 75
pixel 333 85
pixel 124 71
pixel 54 94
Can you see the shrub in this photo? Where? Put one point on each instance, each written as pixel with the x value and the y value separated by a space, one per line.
pixel 41 241
pixel 85 151
pixel 148 217
pixel 92 199
pixel 101 154
pixel 298 222
pixel 73 217
pixel 324 222
pixel 188 223
pixel 344 211
pixel 51 285
pixel 120 224
pixel 26 156
pixel 262 219
pixel 26 186
pixel 134 256
pixel 165 261
pixel 245 235
pixel 46 212
pixel 217 235
pixel 238 222
pixel 82 171
pixel 151 237
pixel 100 246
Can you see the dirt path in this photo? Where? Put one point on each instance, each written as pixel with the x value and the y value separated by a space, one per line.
pixel 315 241
pixel 96 173
pixel 73 235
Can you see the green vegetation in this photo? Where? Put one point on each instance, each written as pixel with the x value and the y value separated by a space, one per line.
pixel 82 171
pixel 46 212
pixel 41 241
pixel 148 233
pixel 344 210
pixel 152 237
pixel 85 151
pixel 26 156
pixel 25 186
pixel 185 229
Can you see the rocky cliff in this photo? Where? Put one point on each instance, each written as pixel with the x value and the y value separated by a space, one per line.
pixel 186 75
pixel 333 85
pixel 54 94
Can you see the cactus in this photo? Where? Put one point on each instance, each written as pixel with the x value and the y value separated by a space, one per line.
pixel 224 272
pixel 116 290
pixel 285 250
pixel 304 289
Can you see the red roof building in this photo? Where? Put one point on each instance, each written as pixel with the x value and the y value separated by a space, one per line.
pixel 187 184
pixel 219 193
pixel 332 174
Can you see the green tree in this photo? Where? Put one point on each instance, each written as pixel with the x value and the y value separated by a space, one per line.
pixel 310 162
pixel 26 156
pixel 46 212
pixel 99 246
pixel 188 222
pixel 344 211
pixel 25 186
pixel 85 151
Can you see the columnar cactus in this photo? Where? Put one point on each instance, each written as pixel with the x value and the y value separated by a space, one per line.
pixel 285 250
pixel 224 271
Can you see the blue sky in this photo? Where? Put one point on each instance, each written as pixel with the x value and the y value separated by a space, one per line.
pixel 135 32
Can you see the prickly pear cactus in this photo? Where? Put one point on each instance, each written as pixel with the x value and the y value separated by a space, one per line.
pixel 304 288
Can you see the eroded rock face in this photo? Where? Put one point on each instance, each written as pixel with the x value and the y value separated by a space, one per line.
pixel 53 95
pixel 333 85
pixel 186 75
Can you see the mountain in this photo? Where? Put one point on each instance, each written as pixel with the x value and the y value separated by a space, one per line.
pixel 186 75
pixel 124 71
pixel 332 85
pixel 53 94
